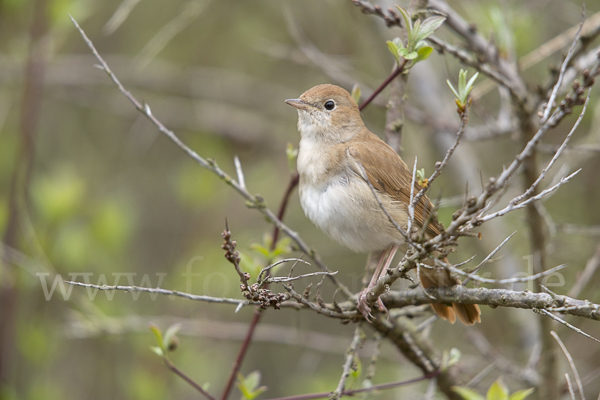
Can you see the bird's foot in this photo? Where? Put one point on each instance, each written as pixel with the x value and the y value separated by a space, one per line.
pixel 363 305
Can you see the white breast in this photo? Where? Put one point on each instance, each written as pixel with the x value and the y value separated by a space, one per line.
pixel 343 205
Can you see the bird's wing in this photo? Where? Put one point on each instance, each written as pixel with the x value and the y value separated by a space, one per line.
pixel 393 178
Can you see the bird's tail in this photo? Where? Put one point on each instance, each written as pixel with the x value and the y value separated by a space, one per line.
pixel 468 314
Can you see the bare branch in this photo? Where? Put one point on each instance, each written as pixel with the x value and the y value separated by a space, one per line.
pixel 512 207
pixel 485 260
pixel 348 365
pixel 279 279
pixel 565 323
pixel 255 201
pixel 571 363
pixel 563 68
pixel 558 153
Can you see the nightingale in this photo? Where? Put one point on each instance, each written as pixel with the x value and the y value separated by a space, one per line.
pixel 336 151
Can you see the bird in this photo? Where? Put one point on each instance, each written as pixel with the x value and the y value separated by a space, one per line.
pixel 337 155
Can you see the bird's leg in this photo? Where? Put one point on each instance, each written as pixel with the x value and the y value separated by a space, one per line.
pixel 380 271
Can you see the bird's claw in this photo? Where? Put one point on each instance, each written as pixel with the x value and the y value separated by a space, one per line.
pixel 363 306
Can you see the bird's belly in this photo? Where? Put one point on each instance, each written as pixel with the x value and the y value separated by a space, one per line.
pixel 349 213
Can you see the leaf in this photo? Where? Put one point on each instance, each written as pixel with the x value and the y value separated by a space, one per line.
pixel 261 249
pixel 497 391
pixel 521 394
pixel 170 334
pixel 158 335
pixel 471 82
pixel 252 380
pixel 467 394
pixel 355 372
pixel 292 155
pixel 423 53
pixel 407 55
pixel 356 93
pixel 407 20
pixel 454 356
pixel 157 350
pixel 452 88
pixel 249 385
pixel 429 26
pixel 393 49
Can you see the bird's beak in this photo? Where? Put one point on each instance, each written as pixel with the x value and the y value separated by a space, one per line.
pixel 299 104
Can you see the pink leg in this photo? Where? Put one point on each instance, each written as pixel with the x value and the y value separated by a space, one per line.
pixel 380 271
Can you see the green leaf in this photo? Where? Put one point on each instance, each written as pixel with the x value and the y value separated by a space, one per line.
pixel 393 49
pixel 423 53
pixel 355 373
pixel 356 93
pixel 261 249
pixel 159 337
pixel 498 391
pixel 471 82
pixel 521 394
pixel 452 88
pixel 429 26
pixel 467 394
pixel 407 20
pixel 249 385
pixel 404 53
pixel 292 155
pixel 157 350
pixel 170 334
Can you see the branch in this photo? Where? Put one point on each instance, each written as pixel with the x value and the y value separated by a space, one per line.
pixel 253 201
pixel 187 379
pixel 571 363
pixel 493 298
pixel 383 386
pixel 384 84
pixel 351 353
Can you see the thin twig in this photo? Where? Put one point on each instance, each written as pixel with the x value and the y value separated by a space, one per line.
pixel 383 386
pixel 570 386
pixel 374 191
pixel 166 292
pixel 439 166
pixel 350 354
pixel 279 279
pixel 558 153
pixel 186 378
pixel 571 363
pixel 268 267
pixel 485 260
pixel 411 203
pixel 512 207
pixel 586 276
pixel 565 323
pixel 241 354
pixel 384 84
pixel 550 104
pixel 500 281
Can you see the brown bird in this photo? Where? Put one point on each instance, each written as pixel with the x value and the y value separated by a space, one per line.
pixel 336 150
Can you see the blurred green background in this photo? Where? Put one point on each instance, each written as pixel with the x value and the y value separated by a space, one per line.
pixel 89 189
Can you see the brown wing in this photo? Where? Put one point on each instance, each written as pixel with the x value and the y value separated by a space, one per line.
pixel 392 177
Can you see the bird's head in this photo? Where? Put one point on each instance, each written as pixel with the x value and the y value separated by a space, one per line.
pixel 327 113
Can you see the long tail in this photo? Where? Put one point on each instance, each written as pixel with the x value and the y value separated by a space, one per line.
pixel 468 314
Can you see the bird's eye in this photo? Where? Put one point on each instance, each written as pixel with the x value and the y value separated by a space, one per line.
pixel 329 105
